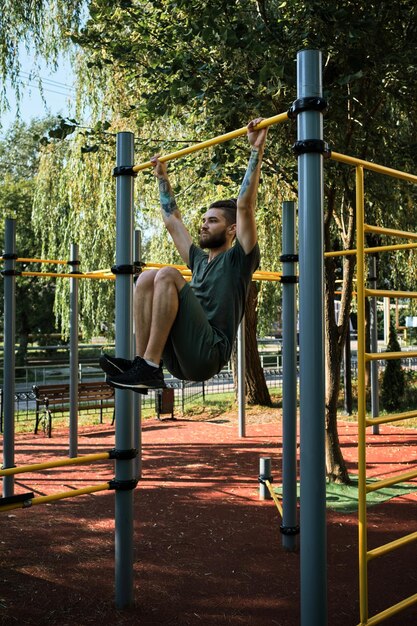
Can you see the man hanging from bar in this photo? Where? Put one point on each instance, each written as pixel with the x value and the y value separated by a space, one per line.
pixel 191 327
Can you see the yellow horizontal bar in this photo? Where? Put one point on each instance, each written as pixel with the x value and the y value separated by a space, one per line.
pixel 389 232
pixel 55 261
pixel 393 610
pixel 374 167
pixel 392 545
pixel 389 356
pixel 282 117
pixel 386 293
pixel 185 271
pixel 340 253
pixel 388 482
pixel 274 497
pixel 390 248
pixel 78 460
pixel 53 497
pixel 61 275
pixel 398 417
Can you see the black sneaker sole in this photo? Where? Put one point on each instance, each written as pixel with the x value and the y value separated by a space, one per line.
pixel 136 387
pixel 142 390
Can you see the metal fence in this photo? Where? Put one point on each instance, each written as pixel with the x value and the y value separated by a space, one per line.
pixel 186 394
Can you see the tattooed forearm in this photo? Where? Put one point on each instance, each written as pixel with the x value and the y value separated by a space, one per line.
pixel 167 197
pixel 252 165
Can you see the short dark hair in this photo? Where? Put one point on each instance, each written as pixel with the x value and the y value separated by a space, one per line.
pixel 229 208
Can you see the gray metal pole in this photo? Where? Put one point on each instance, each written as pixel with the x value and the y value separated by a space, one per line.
pixel 73 416
pixel 312 379
pixel 9 352
pixel 241 368
pixel 125 469
pixel 289 528
pixel 374 348
pixel 264 474
pixel 137 423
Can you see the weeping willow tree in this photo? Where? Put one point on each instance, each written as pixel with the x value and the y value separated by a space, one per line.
pixel 41 27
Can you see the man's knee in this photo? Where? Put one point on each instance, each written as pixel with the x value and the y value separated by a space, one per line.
pixel 146 280
pixel 170 275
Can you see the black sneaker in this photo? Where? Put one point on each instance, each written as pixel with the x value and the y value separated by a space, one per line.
pixel 113 365
pixel 140 376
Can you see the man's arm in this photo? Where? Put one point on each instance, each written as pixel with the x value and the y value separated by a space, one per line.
pixel 170 213
pixel 246 202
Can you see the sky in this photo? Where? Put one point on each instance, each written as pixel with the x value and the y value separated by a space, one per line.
pixel 59 93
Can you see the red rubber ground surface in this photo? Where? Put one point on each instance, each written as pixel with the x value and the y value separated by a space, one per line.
pixel 207 551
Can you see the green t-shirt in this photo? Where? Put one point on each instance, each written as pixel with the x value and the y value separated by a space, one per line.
pixel 221 286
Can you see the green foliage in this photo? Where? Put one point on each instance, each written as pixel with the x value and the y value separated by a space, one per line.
pixel 393 380
pixel 19 158
pixel 41 27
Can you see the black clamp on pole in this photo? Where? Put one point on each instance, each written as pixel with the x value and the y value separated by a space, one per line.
pixel 74 267
pixel 124 170
pixel 288 279
pixel 9 256
pixel 10 273
pixel 289 258
pixel 123 455
pixel 305 146
pixel 123 485
pixel 123 269
pixel 262 478
pixel 311 103
pixel 16 499
pixel 289 530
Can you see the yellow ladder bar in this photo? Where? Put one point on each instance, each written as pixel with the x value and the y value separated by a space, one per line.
pixel 388 482
pixel 392 545
pixel 393 610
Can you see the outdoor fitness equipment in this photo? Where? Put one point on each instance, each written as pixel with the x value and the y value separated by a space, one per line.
pixel 308 110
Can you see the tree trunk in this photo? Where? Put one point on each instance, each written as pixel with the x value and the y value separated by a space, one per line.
pixel 335 337
pixel 255 385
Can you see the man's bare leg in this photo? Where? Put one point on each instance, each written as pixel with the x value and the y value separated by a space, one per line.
pixel 166 288
pixel 143 299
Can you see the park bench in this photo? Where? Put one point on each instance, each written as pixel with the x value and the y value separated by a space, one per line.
pixel 55 398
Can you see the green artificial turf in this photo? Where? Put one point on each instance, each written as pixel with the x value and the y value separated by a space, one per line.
pixel 344 498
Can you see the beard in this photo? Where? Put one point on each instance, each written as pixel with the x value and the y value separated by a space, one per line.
pixel 213 241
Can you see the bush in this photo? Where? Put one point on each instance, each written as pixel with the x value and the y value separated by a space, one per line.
pixel 393 380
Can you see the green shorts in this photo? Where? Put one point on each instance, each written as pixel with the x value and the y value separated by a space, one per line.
pixel 194 350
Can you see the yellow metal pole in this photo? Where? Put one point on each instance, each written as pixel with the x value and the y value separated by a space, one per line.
pixel 390 248
pixel 388 482
pixel 52 261
pixel 385 356
pixel 390 232
pixel 374 167
pixel 62 275
pixel 392 545
pixel 393 610
pixel 274 496
pixel 360 263
pixel 391 294
pixel 276 119
pixel 78 460
pixel 56 496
